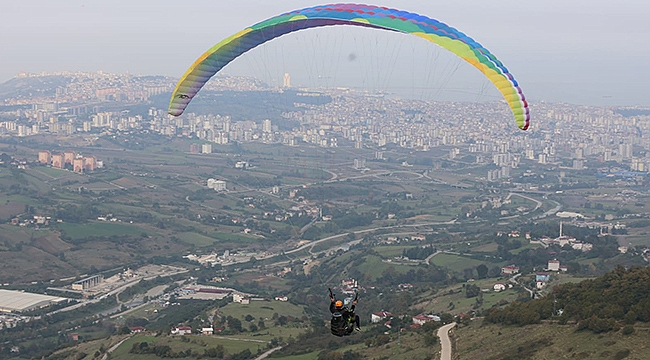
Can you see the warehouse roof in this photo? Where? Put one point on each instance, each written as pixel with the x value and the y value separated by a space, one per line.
pixel 11 300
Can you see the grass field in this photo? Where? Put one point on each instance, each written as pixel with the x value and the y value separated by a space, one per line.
pixel 308 356
pixel 195 342
pixel 196 239
pixel 262 309
pixel 488 248
pixel 53 172
pixel 390 251
pixel 454 262
pixel 546 341
pixel 375 267
pixel 79 231
pixel 524 247
pixel 461 304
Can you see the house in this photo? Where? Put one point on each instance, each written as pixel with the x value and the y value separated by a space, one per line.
pixel 553 265
pixel 207 331
pixel 379 316
pixel 422 319
pixel 499 287
pixel 136 329
pixel 542 276
pixel 510 270
pixel 349 283
pixel 540 284
pixel 237 297
pixel 181 330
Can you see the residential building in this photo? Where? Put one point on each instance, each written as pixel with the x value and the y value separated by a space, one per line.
pixel 44 157
pixel 57 161
pixel 499 286
pixel 379 316
pixel 68 157
pixel 90 163
pixel 422 319
pixel 510 270
pixel 181 330
pixel 136 329
pixel 78 165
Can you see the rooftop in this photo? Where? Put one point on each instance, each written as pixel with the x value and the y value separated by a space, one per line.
pixel 11 300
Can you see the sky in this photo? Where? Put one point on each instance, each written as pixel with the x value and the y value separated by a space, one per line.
pixel 591 52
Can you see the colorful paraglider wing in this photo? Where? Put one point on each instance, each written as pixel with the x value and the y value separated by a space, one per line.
pixel 358 15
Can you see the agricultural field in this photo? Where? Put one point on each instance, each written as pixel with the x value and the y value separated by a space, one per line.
pixel 455 263
pixel 98 229
pixel 262 309
pixel 453 300
pixel 374 267
pixel 180 343
pixel 388 252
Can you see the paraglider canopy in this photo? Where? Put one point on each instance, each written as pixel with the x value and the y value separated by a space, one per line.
pixel 369 16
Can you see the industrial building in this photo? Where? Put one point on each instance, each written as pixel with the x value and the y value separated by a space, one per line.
pixel 88 282
pixel 18 301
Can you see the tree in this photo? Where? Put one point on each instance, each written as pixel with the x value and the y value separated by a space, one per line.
pixel 495 271
pixel 482 271
pixel 234 324
pixel 472 290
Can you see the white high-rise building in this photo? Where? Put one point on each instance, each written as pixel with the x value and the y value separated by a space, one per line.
pixel 266 126
pixel 625 151
pixel 206 148
pixel 286 82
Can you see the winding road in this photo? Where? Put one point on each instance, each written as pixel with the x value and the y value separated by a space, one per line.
pixel 269 352
pixel 445 343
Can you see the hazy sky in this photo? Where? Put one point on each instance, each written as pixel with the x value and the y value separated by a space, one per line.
pixel 577 51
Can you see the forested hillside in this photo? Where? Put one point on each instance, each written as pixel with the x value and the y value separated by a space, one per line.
pixel 620 297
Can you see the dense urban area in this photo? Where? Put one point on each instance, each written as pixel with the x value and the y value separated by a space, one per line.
pixel 127 233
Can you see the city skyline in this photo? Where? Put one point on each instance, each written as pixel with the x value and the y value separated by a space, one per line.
pixel 584 52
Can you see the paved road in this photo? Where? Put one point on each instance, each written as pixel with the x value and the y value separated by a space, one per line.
pixel 443 334
pixel 532 293
pixel 114 347
pixel 266 354
pixel 316 242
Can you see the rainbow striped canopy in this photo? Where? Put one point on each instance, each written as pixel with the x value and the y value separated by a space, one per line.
pixel 213 60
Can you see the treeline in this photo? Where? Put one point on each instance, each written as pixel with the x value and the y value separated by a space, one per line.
pixel 620 297
pixel 418 253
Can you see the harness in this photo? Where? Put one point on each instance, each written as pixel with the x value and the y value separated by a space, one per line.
pixel 339 325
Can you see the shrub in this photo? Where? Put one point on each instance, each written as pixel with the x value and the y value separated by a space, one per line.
pixel 628 330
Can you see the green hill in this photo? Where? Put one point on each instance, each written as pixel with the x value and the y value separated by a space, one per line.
pixel 620 297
